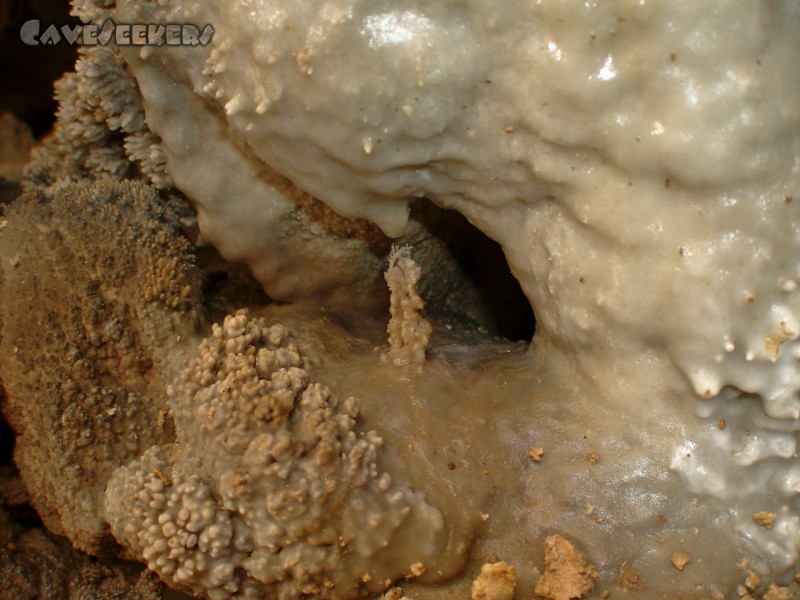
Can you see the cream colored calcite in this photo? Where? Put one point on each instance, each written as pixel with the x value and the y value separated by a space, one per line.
pixel 638 163
pixel 233 192
pixel 409 332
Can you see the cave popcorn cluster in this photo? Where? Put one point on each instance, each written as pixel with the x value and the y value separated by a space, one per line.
pixel 269 487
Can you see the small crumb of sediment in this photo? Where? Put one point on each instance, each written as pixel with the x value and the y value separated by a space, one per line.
pixel 567 576
pixel 497 581
pixel 765 519
pixel 680 559
pixel 536 454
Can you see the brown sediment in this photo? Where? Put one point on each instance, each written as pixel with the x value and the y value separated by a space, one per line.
pixel 567 575
pixel 765 518
pixel 679 559
pixel 628 576
pixel 536 454
pixel 497 581
pixel 776 592
pixel 98 286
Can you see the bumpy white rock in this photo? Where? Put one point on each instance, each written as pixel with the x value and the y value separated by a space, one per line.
pixel 636 160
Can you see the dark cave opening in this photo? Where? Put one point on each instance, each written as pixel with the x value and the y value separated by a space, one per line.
pixel 484 293
pixel 6 441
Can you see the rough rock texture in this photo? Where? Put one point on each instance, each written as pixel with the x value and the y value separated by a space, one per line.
pixel 270 489
pixel 97 289
pixel 496 581
pixel 567 576
pixel 37 565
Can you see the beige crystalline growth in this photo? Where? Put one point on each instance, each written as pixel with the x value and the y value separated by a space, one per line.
pixel 497 581
pixel 409 331
pixel 100 128
pixel 269 490
pixel 567 576
pixel 101 125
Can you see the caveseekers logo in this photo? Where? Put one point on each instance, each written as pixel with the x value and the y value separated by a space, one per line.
pixel 172 34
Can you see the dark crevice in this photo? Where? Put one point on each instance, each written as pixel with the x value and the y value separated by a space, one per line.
pixel 6 439
pixel 470 281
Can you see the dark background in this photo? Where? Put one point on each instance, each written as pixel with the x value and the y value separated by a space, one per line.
pixel 27 73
